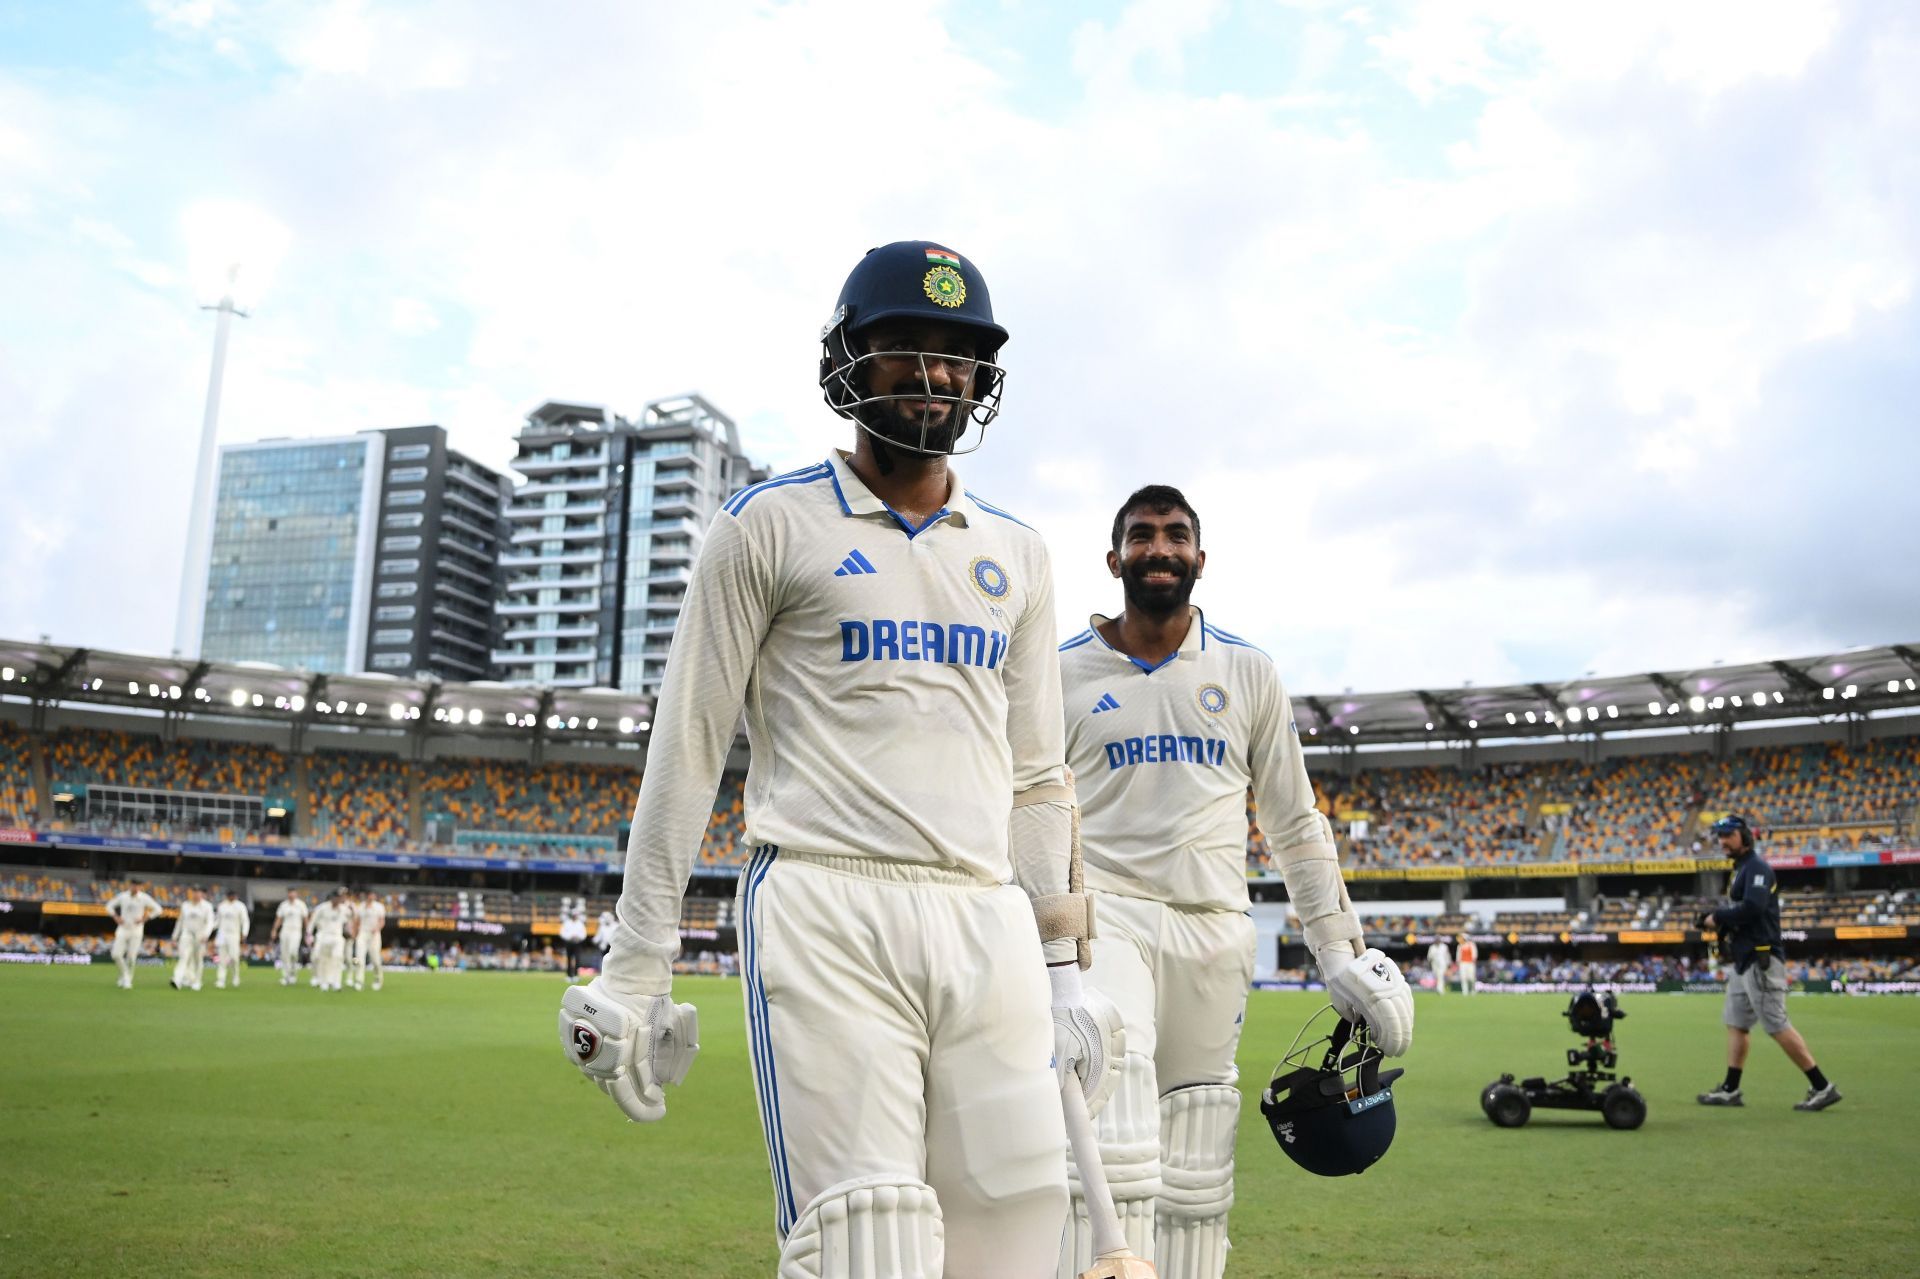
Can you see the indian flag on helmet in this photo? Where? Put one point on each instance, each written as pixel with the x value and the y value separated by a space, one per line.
pixel 941 257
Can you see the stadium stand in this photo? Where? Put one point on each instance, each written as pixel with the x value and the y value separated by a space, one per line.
pixel 357 800
pixel 19 804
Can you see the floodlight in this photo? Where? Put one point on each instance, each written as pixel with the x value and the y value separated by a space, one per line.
pixel 1910 687
pixel 626 723
pixel 1573 713
pixel 323 708
pixel 1511 719
pixel 1613 712
pixel 396 710
pixel 239 697
pixel 1851 690
pixel 96 684
pixel 1827 693
pixel 6 672
pixel 553 722
pixel 1353 729
pixel 1473 723
pixel 573 721
pixel 1531 719
pixel 473 717
pixel 457 715
pixel 259 699
pixel 133 686
pixel 1718 703
pixel 593 722
pixel 297 703
pixel 174 692
pixel 359 708
pixel 1893 686
pixel 644 725
pixel 1696 703
pixel 1429 726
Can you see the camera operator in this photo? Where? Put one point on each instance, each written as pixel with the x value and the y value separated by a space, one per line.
pixel 1749 928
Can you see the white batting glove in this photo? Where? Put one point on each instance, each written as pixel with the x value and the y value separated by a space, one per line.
pixel 1370 989
pixel 630 1049
pixel 1089 1038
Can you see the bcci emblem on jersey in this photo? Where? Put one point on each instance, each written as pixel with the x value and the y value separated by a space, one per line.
pixel 990 578
pixel 1213 699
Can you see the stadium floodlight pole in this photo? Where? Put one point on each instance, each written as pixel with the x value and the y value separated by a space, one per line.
pixel 193 573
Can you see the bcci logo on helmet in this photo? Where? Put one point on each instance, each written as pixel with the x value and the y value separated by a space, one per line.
pixel 944 286
pixel 586 1042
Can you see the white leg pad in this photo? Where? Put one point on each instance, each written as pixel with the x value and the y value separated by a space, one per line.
pixel 1197 1127
pixel 1128 1130
pixel 868 1228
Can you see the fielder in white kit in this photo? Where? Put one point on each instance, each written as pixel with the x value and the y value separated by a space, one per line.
pixel 908 899
pixel 190 932
pixel 1440 960
pixel 1169 720
pixel 231 922
pixel 328 936
pixel 130 909
pixel 290 924
pixel 369 917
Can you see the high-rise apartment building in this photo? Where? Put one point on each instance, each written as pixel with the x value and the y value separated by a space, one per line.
pixel 375 551
pixel 604 531
pixel 437 572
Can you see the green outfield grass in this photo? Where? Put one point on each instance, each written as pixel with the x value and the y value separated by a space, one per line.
pixel 433 1129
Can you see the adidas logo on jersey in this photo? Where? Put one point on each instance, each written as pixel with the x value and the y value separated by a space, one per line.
pixel 1106 703
pixel 854 565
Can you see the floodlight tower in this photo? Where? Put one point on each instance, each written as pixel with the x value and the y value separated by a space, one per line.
pixel 193 573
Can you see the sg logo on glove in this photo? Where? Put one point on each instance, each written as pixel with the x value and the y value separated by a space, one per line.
pixel 586 1042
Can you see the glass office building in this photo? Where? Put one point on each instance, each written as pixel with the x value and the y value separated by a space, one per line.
pixel 292 553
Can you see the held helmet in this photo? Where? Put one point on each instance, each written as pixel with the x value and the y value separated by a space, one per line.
pixel 922 282
pixel 1734 824
pixel 1333 1117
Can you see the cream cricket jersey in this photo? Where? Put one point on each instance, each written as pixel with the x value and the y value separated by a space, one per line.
pixel 132 910
pixel 899 686
pixel 291 918
pixel 196 919
pixel 369 917
pixel 1162 759
pixel 329 920
pixel 233 919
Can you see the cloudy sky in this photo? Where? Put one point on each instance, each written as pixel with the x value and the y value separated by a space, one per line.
pixel 1493 340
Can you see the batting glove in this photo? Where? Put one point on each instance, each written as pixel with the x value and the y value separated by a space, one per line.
pixel 630 1049
pixel 1089 1038
pixel 1371 990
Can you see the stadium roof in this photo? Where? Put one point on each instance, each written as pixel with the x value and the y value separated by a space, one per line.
pixel 1855 682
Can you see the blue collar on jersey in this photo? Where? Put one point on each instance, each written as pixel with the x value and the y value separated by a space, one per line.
pixel 1190 648
pixel 857 499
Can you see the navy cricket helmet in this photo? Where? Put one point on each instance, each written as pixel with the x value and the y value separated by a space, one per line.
pixel 1735 824
pixel 920 282
pixel 1334 1117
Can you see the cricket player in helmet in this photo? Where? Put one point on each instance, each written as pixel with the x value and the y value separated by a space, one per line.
pixel 910 910
pixel 1170 720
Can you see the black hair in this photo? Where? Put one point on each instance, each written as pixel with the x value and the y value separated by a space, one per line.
pixel 1158 498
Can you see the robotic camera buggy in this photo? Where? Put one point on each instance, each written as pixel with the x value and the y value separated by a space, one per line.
pixel 1592 1014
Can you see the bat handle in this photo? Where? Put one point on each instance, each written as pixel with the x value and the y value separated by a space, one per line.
pixel 1108 1238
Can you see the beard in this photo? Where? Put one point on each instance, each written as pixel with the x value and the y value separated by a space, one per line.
pixel 908 421
pixel 1157 599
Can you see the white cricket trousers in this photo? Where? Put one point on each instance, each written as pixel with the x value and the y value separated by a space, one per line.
pixel 127 939
pixel 1469 978
pixel 290 954
pixel 329 957
pixel 189 960
pixel 226 959
pixel 366 954
pixel 898 1024
pixel 1180 980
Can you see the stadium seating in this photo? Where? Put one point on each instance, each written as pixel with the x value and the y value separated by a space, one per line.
pixel 19 805
pixel 356 800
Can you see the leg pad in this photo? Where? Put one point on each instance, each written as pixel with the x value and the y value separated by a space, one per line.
pixel 868 1228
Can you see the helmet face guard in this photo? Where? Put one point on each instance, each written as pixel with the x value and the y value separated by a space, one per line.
pixel 846 371
pixel 1332 1114
pixel 919 284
